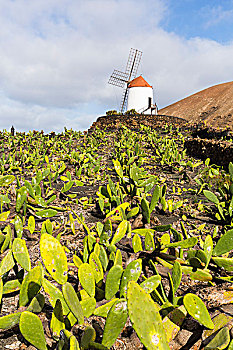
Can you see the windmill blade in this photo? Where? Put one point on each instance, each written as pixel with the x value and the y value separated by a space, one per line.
pixel 133 63
pixel 124 99
pixel 118 78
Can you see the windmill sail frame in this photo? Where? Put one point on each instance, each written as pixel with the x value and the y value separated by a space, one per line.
pixel 119 78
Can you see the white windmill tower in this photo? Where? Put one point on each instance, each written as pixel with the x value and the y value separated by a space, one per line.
pixel 138 94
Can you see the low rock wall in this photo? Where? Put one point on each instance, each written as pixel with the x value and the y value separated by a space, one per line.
pixel 219 152
pixel 135 121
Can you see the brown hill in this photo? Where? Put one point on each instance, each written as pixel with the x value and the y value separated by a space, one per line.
pixel 214 106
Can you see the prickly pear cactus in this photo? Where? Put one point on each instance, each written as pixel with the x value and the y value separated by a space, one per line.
pixel 145 210
pixel 57 321
pixel 220 341
pixel 149 242
pixel 74 343
pixel 1 289
pixel 37 304
pixel 197 309
pixel 20 253
pixel 224 244
pixel 32 330
pixel 54 293
pixel 137 243
pixel 103 310
pixel 9 321
pixel 151 283
pixel 113 281
pixel 31 224
pixel 30 285
pixel 145 318
pixel 115 322
pixel 131 273
pixel 88 306
pixel 7 263
pixel 18 226
pixel 88 336
pixel 54 257
pixel 87 279
pixel 97 268
pixel 120 232
pixel 73 302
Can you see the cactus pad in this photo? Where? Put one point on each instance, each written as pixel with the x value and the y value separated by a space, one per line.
pixel 197 309
pixel 87 279
pixel 54 257
pixel 115 322
pixel 131 273
pixel 145 318
pixel 20 253
pixel 113 281
pixel 72 301
pixel 9 321
pixel 32 330
pixel 30 285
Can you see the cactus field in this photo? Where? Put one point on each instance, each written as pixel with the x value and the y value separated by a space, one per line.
pixel 114 239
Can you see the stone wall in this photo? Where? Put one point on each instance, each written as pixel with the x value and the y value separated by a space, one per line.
pixel 135 121
pixel 219 152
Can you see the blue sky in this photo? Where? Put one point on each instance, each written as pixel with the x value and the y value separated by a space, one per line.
pixel 56 56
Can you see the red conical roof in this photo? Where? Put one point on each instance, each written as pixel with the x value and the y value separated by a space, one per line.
pixel 139 82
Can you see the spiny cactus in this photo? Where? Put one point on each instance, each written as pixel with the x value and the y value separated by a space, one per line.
pixel 113 281
pixel 73 302
pixel 30 285
pixel 32 330
pixel 197 309
pixel 115 322
pixel 87 279
pixel 131 273
pixel 54 257
pixel 145 318
pixel 9 321
pixel 20 253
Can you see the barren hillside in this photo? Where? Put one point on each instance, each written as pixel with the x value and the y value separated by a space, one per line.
pixel 213 105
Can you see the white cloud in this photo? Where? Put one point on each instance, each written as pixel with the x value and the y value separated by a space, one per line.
pixel 56 58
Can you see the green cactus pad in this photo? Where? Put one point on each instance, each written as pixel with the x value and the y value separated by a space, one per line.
pixel 7 263
pixel 11 286
pixel 31 224
pixel 21 198
pixel 176 275
pixel 103 258
pixel 115 322
pixel 219 321
pixel 220 341
pixel 137 243
pixel 151 283
pixel 6 180
pixel 30 285
pixel 9 321
pixel 145 210
pixel 18 226
pixel 173 321
pixel 87 279
pixel 197 309
pixel 145 318
pixel 226 263
pixel 149 242
pixel 46 213
pixel 88 336
pixel 32 330
pixel 74 343
pixel 96 265
pixel 208 248
pixel 37 304
pixel 224 244
pixel 186 243
pixel 120 232
pixel 118 258
pixel 77 261
pixel 57 321
pixel 54 257
pixel 88 306
pixel 54 294
pixel 113 281
pixel 73 302
pixel 103 310
pixel 197 274
pixel 20 253
pixel 131 273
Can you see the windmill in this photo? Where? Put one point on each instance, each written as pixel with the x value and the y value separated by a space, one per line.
pixel 119 78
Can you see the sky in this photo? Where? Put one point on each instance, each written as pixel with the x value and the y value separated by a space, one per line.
pixel 56 56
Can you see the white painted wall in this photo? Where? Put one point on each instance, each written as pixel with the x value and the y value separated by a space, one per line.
pixel 138 98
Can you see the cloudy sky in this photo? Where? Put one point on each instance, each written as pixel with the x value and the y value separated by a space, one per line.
pixel 56 56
